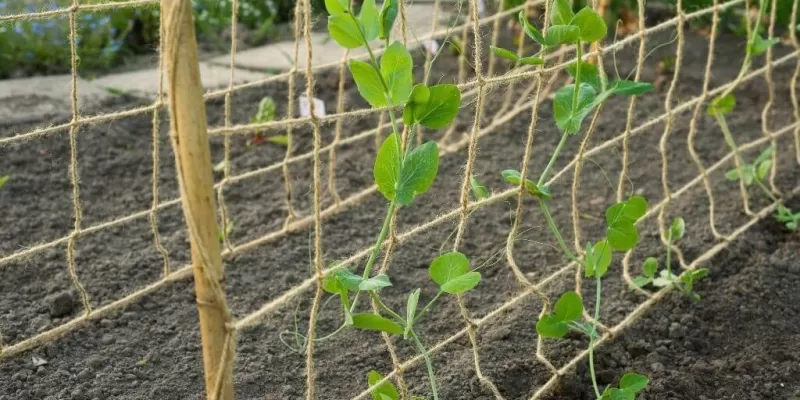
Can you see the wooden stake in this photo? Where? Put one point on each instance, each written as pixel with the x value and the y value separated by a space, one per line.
pixel 193 160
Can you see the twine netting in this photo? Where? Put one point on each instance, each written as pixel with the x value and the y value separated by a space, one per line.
pixel 479 77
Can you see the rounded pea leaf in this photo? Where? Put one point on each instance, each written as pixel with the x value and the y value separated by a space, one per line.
pixel 561 13
pixel 441 108
pixel 368 82
pixel 345 31
pixel 763 169
pixel 384 391
pixel 569 307
pixel 722 105
pixel 551 327
pixel 463 283
pixel 420 94
pixel 337 6
pixel 650 267
pixel 562 34
pixel 376 282
pixel 601 258
pixel 504 53
pixel 374 322
pixel 387 167
pixel 478 190
pixel 589 73
pixel 569 120
pixel 332 285
pixel 370 19
pixel 418 172
pixel 396 68
pixel 387 17
pixel 618 394
pixel 348 279
pixel 633 382
pixel 448 266
pixel 678 228
pixel 591 25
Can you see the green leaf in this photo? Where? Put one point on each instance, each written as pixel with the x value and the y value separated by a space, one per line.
pixel 418 172
pixel 504 53
pixel 387 167
pixel 396 68
pixel 388 16
pixel 530 30
pixel 420 94
pixel 763 169
pixel 621 217
pixel 591 25
pixel 589 74
pixel 562 34
pixel 3 180
pixel 370 20
pixel 448 266
pixel 678 228
pixel 345 31
pixel 618 394
pixel 700 273
pixel 760 45
pixel 567 119
pixel 368 82
pixel 282 140
pixel 337 6
pixel 376 282
pixel 633 382
pixel 765 155
pixel 721 105
pixel 747 170
pixel 374 322
pixel 551 326
pixel 462 283
pixel 441 108
pixel 531 60
pixel 569 307
pixel 478 190
pixel 411 311
pixel 384 391
pixel 598 259
pixel 332 285
pixel 561 13
pixel 630 88
pixel 266 111
pixel 641 281
pixel 650 267
pixel 513 177
pixel 348 279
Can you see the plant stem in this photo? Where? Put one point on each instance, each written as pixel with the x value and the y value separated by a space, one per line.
pixel 387 222
pixel 592 335
pixel 669 254
pixel 766 190
pixel 726 132
pixel 578 56
pixel 556 233
pixel 385 308
pixel 427 306
pixel 553 158
pixel 428 363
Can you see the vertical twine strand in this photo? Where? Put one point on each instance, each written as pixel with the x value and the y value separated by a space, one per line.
pixel 318 267
pixel 226 161
pixel 794 83
pixel 74 177
pixel 771 90
pixel 290 99
pixel 153 216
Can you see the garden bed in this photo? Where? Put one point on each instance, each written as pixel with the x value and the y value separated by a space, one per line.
pixel 738 343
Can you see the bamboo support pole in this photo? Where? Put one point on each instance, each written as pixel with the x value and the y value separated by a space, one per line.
pixel 193 160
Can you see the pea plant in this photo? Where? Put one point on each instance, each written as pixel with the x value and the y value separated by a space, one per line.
pixel 402 172
pixel 751 173
pixel 685 281
pixel 571 105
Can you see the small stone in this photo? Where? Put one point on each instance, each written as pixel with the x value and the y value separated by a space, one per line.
pixel 61 304
pixel 85 375
pixel 40 323
pixel 656 367
pixel 22 375
pixel 107 340
pixel 106 323
pixel 96 363
pixel 77 394
pixel 676 330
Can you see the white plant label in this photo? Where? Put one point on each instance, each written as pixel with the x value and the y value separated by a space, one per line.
pixel 305 107
pixel 482 8
pixel 431 45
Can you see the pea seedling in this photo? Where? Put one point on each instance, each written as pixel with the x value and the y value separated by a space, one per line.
pixel 402 172
pixel 755 172
pixel 3 180
pixel 571 105
pixel 685 281
pixel 266 113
